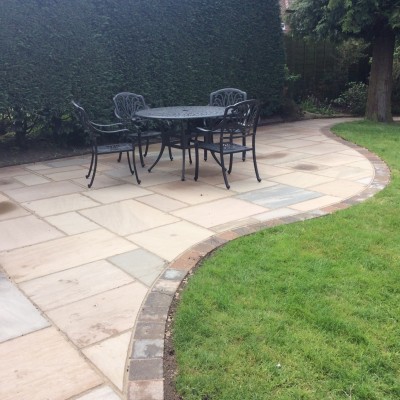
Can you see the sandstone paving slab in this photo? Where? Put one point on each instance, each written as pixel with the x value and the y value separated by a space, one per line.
pixel 219 212
pixel 301 179
pixel 129 216
pixel 18 316
pixel 43 191
pixel 191 192
pixel 101 393
pixel 340 188
pixel 162 203
pixel 61 288
pixel 100 316
pixel 10 209
pixel 43 365
pixel 60 204
pixel 72 223
pixel 17 232
pixel 110 357
pixel 31 179
pixel 60 254
pixel 117 193
pixel 171 240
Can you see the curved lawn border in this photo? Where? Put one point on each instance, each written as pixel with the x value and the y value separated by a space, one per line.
pixel 146 373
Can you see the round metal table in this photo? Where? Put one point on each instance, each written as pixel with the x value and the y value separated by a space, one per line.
pixel 184 114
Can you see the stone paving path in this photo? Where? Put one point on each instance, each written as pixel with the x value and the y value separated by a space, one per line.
pixel 87 275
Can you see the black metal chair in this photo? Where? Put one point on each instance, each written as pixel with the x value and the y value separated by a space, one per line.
pixel 224 98
pixel 124 144
pixel 240 122
pixel 126 106
pixel 227 97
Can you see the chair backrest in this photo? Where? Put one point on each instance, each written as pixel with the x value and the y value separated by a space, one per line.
pixel 227 97
pixel 83 117
pixel 127 104
pixel 240 119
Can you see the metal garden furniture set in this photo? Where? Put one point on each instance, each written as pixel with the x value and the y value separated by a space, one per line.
pixel 222 128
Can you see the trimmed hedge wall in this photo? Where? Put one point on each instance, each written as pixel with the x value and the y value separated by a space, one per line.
pixel 171 51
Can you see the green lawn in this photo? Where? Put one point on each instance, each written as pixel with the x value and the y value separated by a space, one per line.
pixel 303 311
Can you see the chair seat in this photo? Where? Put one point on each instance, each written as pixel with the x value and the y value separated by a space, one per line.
pixel 227 148
pixel 114 148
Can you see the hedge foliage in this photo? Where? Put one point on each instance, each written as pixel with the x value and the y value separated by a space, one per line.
pixel 171 51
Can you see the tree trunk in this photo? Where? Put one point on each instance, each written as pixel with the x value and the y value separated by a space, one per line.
pixel 379 104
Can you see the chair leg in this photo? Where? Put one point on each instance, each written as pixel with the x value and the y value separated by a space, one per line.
pixel 129 163
pixel 224 172
pixel 119 157
pixel 147 147
pixel 244 153
pixel 94 171
pixel 91 166
pixel 255 166
pixel 230 163
pixel 196 169
pixel 140 151
pixel 134 165
pixel 170 153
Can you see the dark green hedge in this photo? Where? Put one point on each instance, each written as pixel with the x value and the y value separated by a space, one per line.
pixel 171 51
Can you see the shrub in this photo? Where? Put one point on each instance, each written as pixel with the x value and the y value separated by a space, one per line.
pixel 353 99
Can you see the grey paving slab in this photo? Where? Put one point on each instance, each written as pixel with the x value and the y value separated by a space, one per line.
pixel 279 196
pixel 17 314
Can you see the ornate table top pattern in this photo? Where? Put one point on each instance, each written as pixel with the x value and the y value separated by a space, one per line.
pixel 182 112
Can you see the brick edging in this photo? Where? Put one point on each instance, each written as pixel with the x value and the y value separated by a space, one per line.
pixel 146 380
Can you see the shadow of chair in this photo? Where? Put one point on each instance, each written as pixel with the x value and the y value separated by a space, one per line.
pixel 126 106
pixel 229 136
pixel 125 143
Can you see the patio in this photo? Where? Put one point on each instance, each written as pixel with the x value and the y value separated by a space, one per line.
pixel 93 271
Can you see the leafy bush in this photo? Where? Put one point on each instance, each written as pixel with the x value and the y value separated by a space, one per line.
pixel 354 98
pixel 315 106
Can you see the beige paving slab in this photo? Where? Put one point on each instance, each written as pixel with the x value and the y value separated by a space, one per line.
pixel 10 209
pixel 101 316
pixel 39 166
pixel 9 183
pixel 17 232
pixel 110 357
pixel 191 192
pixel 298 144
pixel 345 172
pixel 128 217
pixel 60 204
pixel 101 393
pixel 100 181
pixel 43 191
pixel 9 172
pixel 60 254
pixel 301 179
pixel 72 223
pixel 314 204
pixel 117 193
pixel 171 240
pixel 324 148
pixel 153 178
pixel 280 157
pixel 340 188
pixel 273 214
pixel 63 176
pixel 219 212
pixel 43 365
pixel 162 203
pixel 31 179
pixel 70 161
pixel 333 160
pixel 61 288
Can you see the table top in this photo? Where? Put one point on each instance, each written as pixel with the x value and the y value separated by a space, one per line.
pixel 182 112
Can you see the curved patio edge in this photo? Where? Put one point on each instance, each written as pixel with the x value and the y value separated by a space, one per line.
pixel 146 375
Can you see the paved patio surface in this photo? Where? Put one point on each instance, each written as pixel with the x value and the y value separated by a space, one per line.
pixel 87 275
